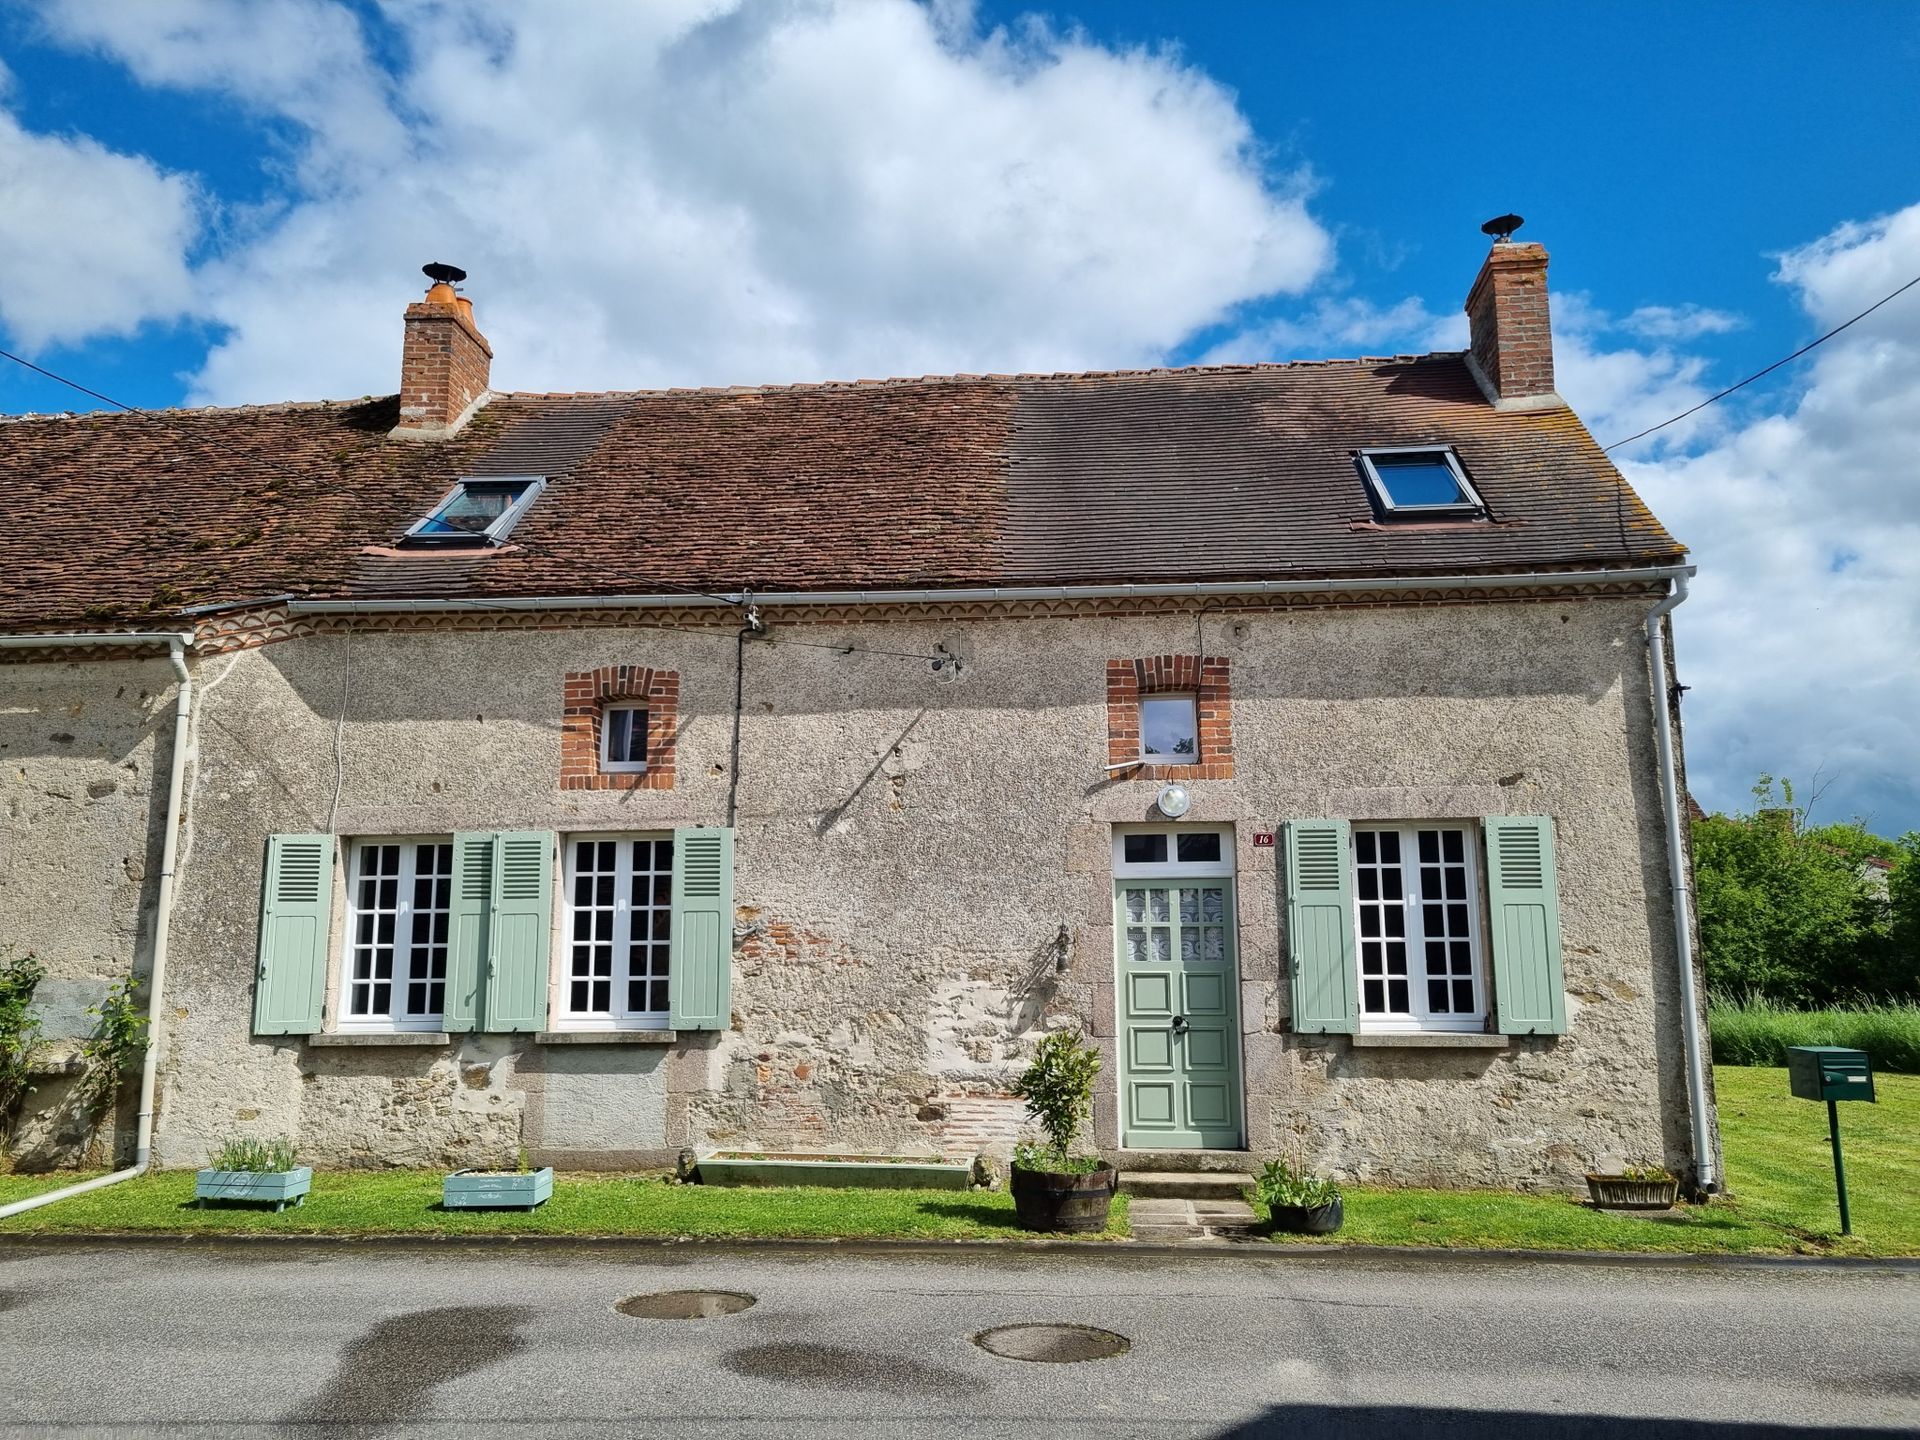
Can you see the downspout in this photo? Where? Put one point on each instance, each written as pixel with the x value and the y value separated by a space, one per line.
pixel 163 916
pixel 1672 803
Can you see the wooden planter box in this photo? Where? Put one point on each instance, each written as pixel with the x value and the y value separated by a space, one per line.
pixel 869 1172
pixel 1616 1192
pixel 496 1189
pixel 278 1188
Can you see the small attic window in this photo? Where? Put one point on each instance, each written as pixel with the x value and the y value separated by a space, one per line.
pixel 477 512
pixel 1419 482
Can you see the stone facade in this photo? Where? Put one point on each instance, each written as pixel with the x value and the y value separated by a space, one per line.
pixel 911 844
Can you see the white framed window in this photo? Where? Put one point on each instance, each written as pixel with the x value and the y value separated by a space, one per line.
pixel 618 920
pixel 1170 729
pixel 1149 850
pixel 1419 481
pixel 623 739
pixel 393 975
pixel 1416 895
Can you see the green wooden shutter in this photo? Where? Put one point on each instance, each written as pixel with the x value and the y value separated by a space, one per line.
pixel 1528 990
pixel 700 978
pixel 467 930
pixel 289 994
pixel 519 923
pixel 1320 927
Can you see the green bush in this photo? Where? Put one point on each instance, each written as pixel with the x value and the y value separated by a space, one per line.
pixel 1757 1031
pixel 20 975
pixel 1058 1089
pixel 1279 1183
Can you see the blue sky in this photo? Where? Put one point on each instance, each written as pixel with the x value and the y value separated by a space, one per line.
pixel 215 202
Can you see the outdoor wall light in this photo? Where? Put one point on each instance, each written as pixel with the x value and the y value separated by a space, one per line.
pixel 1173 801
pixel 1062 948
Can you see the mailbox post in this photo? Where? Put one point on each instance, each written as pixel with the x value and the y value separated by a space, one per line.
pixel 1831 1073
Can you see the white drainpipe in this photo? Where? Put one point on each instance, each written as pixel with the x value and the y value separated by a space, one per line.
pixel 1673 803
pixel 157 976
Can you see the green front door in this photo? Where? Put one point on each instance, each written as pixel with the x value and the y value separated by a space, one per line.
pixel 1177 1012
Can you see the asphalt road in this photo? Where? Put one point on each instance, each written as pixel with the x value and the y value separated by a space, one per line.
pixel 337 1340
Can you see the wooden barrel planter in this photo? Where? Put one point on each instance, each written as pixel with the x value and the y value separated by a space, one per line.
pixel 1064 1204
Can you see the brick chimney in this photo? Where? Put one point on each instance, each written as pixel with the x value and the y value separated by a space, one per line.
pixel 443 365
pixel 1512 354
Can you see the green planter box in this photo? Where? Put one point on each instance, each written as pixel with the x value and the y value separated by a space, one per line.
pixel 496 1189
pixel 869 1172
pixel 278 1188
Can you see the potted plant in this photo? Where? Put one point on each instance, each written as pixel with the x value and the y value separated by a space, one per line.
pixel 1054 1189
pixel 1299 1201
pixel 522 1189
pixel 1635 1187
pixel 261 1171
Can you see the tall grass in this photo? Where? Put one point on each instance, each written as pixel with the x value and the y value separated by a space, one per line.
pixel 1757 1031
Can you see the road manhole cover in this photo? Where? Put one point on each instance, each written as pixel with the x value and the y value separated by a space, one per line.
pixel 1052 1344
pixel 684 1304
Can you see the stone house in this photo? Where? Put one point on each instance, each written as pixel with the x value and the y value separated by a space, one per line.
pixel 611 774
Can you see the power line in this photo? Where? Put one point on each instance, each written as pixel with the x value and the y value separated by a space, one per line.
pixel 1788 360
pixel 72 384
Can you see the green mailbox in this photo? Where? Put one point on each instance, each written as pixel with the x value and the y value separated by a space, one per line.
pixel 1831 1073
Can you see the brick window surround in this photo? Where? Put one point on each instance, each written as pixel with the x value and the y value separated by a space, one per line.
pixel 1207 680
pixel 588 693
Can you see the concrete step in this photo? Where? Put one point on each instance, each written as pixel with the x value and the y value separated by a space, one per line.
pixel 1185 1184
pixel 1164 1222
pixel 1163 1160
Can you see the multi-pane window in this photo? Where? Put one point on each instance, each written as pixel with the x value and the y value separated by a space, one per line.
pixel 1416 897
pixel 399 895
pixel 623 739
pixel 619 917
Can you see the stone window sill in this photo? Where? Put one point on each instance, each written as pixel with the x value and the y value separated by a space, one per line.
pixel 607 1037
pixel 1431 1040
pixel 382 1037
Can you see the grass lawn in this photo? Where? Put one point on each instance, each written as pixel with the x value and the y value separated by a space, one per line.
pixel 1779 1173
pixel 1778 1169
pixel 403 1202
pixel 19 1187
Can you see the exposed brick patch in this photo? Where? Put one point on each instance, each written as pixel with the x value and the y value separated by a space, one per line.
pixel 1206 679
pixel 587 695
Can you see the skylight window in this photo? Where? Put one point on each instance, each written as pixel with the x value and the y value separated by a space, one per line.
pixel 478 512
pixel 1419 482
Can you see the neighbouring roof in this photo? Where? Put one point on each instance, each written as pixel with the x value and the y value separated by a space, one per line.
pixel 1216 473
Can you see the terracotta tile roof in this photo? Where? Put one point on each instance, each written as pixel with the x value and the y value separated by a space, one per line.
pixel 1224 472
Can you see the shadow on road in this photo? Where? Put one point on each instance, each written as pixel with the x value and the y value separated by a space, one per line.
pixel 1399 1422
pixel 389 1371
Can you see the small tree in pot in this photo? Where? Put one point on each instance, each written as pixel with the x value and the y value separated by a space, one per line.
pixel 1053 1188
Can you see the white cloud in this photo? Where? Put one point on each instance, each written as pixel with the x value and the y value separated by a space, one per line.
pixel 718 192
pixel 91 242
pixel 1679 322
pixel 1802 639
pixel 1348 326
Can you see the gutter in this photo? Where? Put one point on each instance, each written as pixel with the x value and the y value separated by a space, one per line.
pixel 1671 804
pixel 1125 591
pixel 177 646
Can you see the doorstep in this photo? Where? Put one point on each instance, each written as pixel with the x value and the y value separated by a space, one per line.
pixel 1224 1187
pixel 1177 1222
pixel 1240 1162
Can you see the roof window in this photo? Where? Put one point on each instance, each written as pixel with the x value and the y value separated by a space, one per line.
pixel 478 512
pixel 1419 482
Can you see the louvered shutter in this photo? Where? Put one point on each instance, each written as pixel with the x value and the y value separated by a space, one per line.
pixel 1320 927
pixel 289 993
pixel 519 922
pixel 1528 989
pixel 700 978
pixel 468 926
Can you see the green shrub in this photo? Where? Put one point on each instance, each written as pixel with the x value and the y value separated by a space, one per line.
pixel 1757 1031
pixel 259 1157
pixel 1058 1089
pixel 20 976
pixel 115 1048
pixel 1279 1183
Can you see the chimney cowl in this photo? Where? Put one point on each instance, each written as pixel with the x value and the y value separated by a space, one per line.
pixel 445 362
pixel 1511 352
